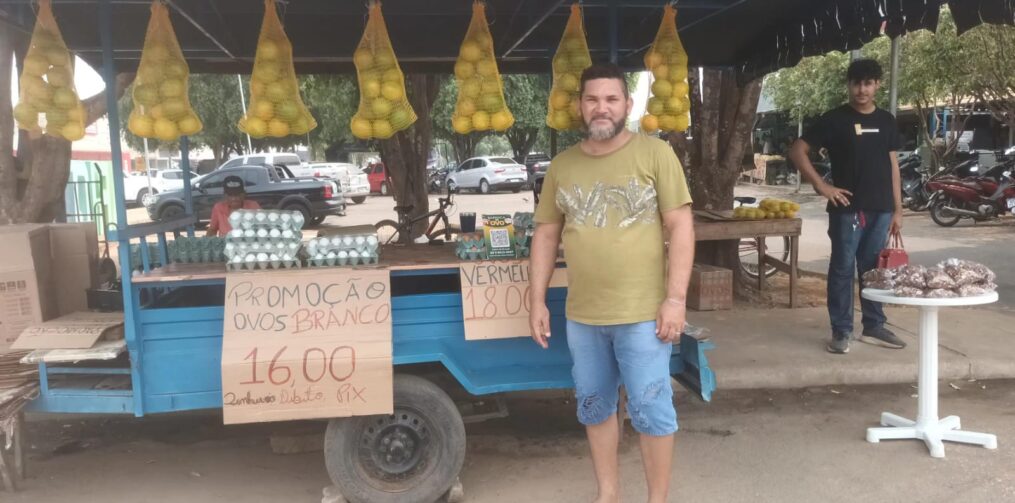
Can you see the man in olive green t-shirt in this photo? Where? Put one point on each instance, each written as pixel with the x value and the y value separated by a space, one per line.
pixel 615 199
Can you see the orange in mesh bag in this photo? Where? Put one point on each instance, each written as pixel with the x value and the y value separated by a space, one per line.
pixel 46 86
pixel 383 107
pixel 669 108
pixel 571 59
pixel 275 108
pixel 480 105
pixel 161 104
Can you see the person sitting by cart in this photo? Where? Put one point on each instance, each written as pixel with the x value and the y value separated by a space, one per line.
pixel 615 198
pixel 236 199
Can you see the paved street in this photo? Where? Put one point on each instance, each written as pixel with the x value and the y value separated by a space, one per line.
pixel 751 446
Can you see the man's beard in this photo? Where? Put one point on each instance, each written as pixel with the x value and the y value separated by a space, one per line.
pixel 597 132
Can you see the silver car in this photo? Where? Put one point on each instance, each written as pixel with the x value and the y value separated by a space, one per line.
pixel 488 174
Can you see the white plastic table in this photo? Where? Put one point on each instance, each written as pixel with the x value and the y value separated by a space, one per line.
pixel 928 427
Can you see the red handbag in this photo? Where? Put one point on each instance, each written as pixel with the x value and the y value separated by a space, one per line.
pixel 894 255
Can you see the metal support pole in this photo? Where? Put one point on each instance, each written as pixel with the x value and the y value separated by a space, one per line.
pixel 612 23
pixel 188 199
pixel 123 244
pixel 893 84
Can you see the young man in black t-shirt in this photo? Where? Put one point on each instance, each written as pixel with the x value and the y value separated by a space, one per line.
pixel 864 199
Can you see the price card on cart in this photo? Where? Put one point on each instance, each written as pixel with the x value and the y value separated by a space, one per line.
pixel 495 298
pixel 305 344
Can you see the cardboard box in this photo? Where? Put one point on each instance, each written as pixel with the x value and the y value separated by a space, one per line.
pixel 26 282
pixel 711 288
pixel 74 250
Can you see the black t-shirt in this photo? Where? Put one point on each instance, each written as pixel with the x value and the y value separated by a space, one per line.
pixel 858 145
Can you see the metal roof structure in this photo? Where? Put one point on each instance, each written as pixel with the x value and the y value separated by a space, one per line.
pixel 755 36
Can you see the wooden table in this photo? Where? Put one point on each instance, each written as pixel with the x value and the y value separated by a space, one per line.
pixel 709 226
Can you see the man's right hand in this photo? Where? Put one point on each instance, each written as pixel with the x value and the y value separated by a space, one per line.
pixel 539 324
pixel 835 195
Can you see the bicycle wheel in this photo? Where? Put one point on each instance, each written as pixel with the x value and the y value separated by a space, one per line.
pixel 388 232
pixel 749 255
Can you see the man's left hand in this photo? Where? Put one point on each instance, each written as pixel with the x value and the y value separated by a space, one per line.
pixel 670 321
pixel 896 228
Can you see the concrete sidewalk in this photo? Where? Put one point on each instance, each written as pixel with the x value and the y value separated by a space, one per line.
pixel 784 348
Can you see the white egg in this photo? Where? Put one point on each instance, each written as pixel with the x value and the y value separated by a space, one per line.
pixel 248 216
pixel 236 233
pixel 331 254
pixel 323 242
pixel 347 241
pixel 343 254
pixel 260 216
pixel 372 240
pixel 275 233
pixel 262 233
pixel 287 234
pixel 274 256
pixel 235 218
pixel 273 217
pixel 251 257
pixel 293 246
pixel 353 254
pixel 249 234
pixel 261 257
pixel 237 259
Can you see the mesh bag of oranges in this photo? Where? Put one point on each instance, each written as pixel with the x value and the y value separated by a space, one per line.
pixel 480 105
pixel 47 84
pixel 276 108
pixel 161 105
pixel 669 108
pixel 383 107
pixel 768 209
pixel 571 59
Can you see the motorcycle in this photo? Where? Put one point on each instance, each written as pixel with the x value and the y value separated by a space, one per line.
pixel 913 178
pixel 981 198
pixel 435 180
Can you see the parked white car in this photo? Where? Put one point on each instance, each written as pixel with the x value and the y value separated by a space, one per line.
pixel 354 182
pixel 488 174
pixel 288 159
pixel 135 186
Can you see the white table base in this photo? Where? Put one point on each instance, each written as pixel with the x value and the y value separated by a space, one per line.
pixel 928 427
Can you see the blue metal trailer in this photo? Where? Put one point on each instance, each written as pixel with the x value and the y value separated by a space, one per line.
pixel 174 326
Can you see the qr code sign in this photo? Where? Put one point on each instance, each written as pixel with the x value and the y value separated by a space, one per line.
pixel 500 238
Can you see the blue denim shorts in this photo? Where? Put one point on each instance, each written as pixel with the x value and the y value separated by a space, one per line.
pixel 606 356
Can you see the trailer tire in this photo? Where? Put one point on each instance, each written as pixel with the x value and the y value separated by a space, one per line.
pixel 413 455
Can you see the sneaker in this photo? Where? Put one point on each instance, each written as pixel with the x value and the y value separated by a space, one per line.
pixel 839 344
pixel 884 337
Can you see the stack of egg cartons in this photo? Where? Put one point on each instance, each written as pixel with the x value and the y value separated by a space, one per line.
pixel 350 246
pixel 264 239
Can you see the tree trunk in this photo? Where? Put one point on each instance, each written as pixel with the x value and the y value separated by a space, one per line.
pixel 405 154
pixel 521 140
pixel 464 145
pixel 32 184
pixel 722 117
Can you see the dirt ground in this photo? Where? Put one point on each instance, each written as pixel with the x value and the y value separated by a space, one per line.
pixel 779 446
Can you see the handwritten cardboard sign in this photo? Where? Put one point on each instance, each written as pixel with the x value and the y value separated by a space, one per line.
pixel 304 344
pixel 495 298
pixel 79 330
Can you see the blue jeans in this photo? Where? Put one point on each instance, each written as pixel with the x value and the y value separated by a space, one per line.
pixel 857 240
pixel 606 356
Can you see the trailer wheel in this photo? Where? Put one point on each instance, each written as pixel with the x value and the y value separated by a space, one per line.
pixel 411 456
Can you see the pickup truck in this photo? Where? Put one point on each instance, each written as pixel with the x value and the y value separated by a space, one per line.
pixel 273 187
pixel 354 182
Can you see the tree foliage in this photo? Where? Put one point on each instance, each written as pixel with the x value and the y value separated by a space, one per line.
pixel 937 70
pixel 526 96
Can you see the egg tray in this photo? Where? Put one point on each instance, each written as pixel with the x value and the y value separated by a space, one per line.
pixel 242 249
pixel 342 261
pixel 270 264
pixel 232 238
pixel 524 220
pixel 370 244
pixel 238 220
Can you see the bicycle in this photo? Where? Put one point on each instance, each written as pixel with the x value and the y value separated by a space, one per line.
pixel 748 248
pixel 390 231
